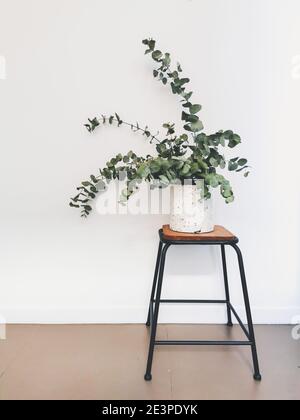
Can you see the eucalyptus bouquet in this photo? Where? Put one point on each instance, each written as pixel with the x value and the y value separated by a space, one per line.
pixel 191 154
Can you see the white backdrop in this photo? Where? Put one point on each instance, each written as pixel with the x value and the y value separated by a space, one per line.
pixel 67 60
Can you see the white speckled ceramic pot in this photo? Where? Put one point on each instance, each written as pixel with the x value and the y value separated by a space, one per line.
pixel 189 212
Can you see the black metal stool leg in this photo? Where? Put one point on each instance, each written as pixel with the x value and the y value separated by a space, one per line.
pixel 154 281
pixel 148 375
pixel 229 319
pixel 257 375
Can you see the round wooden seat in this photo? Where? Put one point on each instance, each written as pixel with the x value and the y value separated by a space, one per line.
pixel 218 234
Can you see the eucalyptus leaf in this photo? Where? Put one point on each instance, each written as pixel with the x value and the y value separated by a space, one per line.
pixel 156 55
pixel 195 108
pixel 164 179
pixel 232 166
pixel 154 166
pixel 185 170
pixel 143 171
pixel 229 199
pixel 242 162
pixel 197 126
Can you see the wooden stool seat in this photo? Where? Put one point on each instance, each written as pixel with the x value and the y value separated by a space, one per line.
pixel 218 234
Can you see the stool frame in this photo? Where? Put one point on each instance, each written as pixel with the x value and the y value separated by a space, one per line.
pixel 155 301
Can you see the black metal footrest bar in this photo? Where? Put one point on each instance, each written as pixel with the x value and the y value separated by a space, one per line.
pixel 240 322
pixel 201 343
pixel 191 301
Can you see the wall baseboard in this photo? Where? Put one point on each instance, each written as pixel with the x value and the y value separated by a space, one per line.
pixel 136 315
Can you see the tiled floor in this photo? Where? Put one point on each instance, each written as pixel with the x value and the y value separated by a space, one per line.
pixel 108 362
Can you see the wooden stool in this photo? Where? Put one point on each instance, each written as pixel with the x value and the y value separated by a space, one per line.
pixel 220 236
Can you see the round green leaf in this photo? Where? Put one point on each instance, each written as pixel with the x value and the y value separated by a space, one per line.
pixel 154 166
pixel 185 169
pixel 156 55
pixel 197 126
pixel 195 108
pixel 232 166
pixel 229 199
pixel 164 179
pixel 242 162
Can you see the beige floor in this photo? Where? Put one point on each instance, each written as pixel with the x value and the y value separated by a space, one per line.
pixel 108 362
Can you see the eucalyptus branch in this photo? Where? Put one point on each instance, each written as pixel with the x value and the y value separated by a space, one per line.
pixel 96 122
pixel 178 85
pixel 117 166
pixel 179 157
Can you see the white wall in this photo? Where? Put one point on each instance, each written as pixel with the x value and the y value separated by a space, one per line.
pixel 67 60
